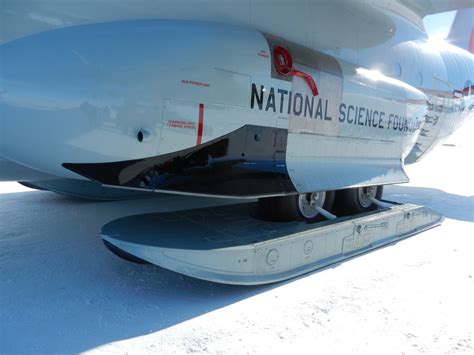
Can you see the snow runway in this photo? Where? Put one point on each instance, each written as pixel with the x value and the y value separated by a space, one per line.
pixel 61 290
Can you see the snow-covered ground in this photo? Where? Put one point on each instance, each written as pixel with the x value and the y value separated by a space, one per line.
pixel 62 291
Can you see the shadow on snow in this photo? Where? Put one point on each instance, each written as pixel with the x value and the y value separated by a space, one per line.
pixel 450 205
pixel 61 289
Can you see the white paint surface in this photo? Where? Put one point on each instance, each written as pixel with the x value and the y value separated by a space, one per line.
pixel 62 291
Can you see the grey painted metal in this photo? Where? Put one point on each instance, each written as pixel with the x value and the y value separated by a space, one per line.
pixel 92 190
pixel 380 204
pixel 12 171
pixel 228 245
pixel 326 213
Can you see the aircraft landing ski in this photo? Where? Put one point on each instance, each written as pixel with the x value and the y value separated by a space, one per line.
pixel 227 245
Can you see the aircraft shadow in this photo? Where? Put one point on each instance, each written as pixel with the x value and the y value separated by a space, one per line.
pixel 450 205
pixel 61 289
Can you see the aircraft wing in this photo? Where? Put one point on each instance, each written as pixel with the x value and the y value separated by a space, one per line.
pixel 429 7
pixel 26 17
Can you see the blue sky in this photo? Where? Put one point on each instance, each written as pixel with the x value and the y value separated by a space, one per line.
pixel 438 25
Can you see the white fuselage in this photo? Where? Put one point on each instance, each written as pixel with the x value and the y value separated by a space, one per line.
pixel 100 84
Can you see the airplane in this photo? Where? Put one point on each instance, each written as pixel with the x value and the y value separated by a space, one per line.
pixel 309 106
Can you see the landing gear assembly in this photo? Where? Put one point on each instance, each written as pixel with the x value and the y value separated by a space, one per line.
pixel 309 207
pixel 358 200
pixel 318 206
pixel 229 245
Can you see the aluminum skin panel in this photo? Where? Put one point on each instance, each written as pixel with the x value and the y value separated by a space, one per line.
pixel 228 245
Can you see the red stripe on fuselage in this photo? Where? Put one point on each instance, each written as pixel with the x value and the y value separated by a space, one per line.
pixel 200 124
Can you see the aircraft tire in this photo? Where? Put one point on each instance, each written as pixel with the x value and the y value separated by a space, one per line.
pixel 295 207
pixel 270 209
pixel 357 200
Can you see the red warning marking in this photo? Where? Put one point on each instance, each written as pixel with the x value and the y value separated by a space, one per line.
pixel 200 124
pixel 284 66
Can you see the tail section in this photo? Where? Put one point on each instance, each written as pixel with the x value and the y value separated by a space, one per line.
pixel 462 30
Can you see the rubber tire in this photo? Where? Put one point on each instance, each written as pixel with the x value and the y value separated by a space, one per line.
pixel 285 208
pixel 347 202
pixel 124 255
pixel 271 209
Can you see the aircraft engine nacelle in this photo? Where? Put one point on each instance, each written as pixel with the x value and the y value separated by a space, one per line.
pixel 202 108
pixel 123 90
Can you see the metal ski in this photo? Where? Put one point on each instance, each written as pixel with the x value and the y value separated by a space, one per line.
pixel 228 245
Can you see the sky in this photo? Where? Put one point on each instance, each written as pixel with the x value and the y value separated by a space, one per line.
pixel 437 26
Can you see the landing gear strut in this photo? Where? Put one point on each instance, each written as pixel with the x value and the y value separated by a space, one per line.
pixel 358 200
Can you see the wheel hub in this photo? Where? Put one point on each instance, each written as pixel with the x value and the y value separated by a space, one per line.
pixel 366 194
pixel 309 203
